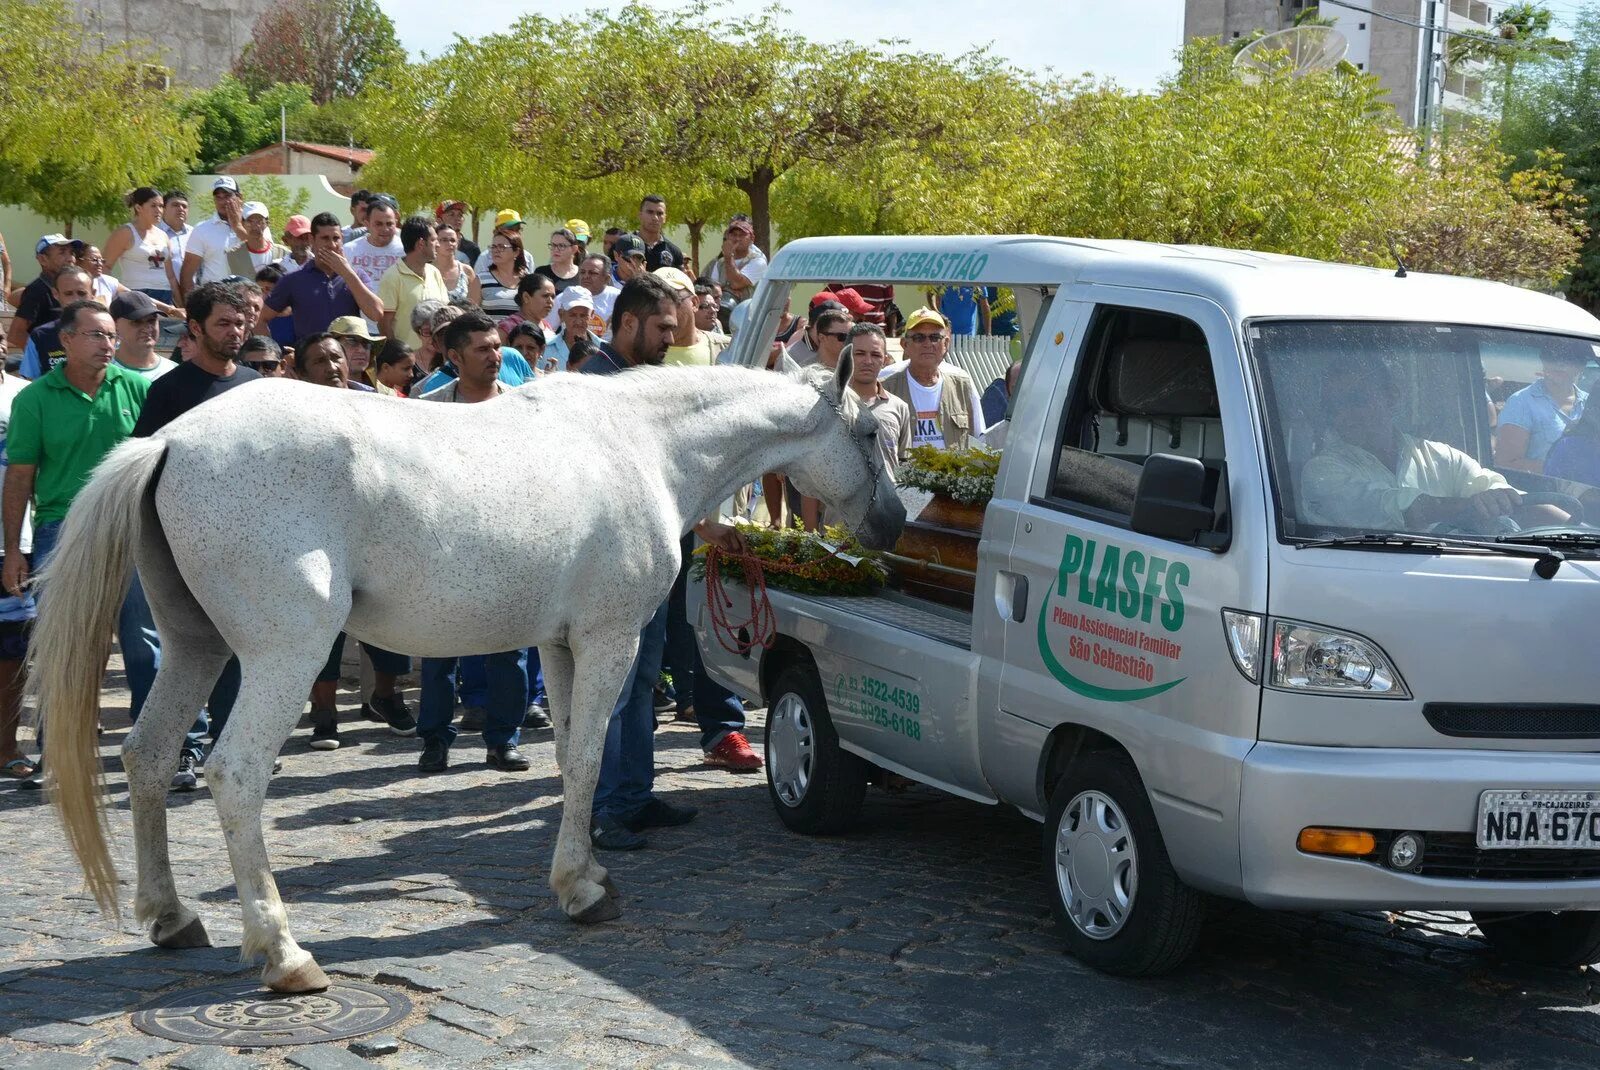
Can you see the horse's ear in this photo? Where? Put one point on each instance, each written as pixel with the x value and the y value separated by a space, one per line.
pixel 841 373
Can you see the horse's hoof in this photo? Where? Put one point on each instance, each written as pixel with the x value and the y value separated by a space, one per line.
pixel 191 934
pixel 307 977
pixel 603 909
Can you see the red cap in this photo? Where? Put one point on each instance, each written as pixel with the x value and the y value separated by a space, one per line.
pixel 445 206
pixel 740 224
pixel 853 302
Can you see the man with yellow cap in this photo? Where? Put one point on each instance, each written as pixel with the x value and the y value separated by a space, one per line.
pixel 943 398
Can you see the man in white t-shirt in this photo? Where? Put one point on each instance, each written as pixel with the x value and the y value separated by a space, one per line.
pixel 942 397
pixel 205 255
pixel 377 251
pixel 595 276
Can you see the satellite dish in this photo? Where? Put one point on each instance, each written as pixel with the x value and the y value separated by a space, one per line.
pixel 1308 48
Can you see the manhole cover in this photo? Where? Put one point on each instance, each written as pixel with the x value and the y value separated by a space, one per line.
pixel 242 1014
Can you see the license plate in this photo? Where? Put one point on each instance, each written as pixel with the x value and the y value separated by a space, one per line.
pixel 1552 820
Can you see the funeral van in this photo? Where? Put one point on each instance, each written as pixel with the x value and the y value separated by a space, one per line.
pixel 1253 613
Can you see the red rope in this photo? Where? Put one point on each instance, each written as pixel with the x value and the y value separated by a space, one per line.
pixel 762 621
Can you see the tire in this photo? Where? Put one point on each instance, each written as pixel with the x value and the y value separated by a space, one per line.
pixel 1119 903
pixel 1560 939
pixel 815 786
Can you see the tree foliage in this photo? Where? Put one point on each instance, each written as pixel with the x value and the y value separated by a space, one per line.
pixel 720 116
pixel 331 46
pixel 81 122
pixel 1558 108
pixel 232 122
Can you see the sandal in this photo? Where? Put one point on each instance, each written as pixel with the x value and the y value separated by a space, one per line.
pixel 18 769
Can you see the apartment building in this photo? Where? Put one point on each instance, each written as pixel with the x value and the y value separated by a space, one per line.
pixel 1396 48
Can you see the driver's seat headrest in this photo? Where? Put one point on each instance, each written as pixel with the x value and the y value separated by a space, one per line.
pixel 1154 377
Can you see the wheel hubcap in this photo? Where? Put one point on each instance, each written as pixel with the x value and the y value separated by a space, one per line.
pixel 791 741
pixel 1097 866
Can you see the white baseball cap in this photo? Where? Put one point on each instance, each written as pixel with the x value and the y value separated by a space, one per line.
pixel 575 297
pixel 255 208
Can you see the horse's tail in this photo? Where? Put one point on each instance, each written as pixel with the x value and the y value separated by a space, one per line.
pixel 82 589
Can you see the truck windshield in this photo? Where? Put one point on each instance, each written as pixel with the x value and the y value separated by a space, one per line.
pixel 1430 429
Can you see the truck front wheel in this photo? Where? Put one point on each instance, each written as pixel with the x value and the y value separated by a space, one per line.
pixel 1120 905
pixel 816 786
pixel 1561 939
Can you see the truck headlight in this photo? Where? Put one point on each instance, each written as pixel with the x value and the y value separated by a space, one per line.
pixel 1320 660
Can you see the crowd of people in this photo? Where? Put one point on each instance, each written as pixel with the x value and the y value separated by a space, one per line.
pixel 413 308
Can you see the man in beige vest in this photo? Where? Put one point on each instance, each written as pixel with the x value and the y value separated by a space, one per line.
pixel 943 399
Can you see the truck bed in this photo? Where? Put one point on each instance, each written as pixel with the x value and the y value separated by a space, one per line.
pixel 927 619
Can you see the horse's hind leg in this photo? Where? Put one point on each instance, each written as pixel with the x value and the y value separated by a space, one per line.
pixel 601 669
pixel 150 756
pixel 271 697
pixel 193 655
pixel 557 664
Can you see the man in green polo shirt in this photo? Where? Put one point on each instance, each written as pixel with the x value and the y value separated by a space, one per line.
pixel 62 425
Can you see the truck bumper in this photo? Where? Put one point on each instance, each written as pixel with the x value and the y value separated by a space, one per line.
pixel 1286 788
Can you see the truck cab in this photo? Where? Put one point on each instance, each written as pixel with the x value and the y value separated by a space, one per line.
pixel 1257 614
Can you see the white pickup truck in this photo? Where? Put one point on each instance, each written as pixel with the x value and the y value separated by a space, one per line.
pixel 1256 613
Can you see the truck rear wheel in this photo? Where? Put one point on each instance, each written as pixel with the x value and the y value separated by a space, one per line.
pixel 1120 904
pixel 816 786
pixel 1562 939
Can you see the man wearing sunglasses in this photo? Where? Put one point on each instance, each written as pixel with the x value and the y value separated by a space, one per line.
pixel 262 355
pixel 943 398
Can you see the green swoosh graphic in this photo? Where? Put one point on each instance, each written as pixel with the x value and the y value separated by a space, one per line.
pixel 1083 687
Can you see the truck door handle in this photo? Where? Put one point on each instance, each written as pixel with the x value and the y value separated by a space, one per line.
pixel 1011 595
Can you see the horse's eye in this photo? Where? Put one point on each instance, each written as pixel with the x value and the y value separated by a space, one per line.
pixel 872 433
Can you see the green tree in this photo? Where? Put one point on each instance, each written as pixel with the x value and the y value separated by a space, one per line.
pixel 273 192
pixel 80 120
pixel 1520 37
pixel 232 122
pixel 1460 213
pixel 332 46
pixel 1558 108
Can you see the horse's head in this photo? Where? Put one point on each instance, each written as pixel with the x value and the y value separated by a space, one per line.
pixel 845 469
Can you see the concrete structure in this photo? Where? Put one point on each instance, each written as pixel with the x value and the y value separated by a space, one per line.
pixel 338 164
pixel 197 42
pixel 1382 46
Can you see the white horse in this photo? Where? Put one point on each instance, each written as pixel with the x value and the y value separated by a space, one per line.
pixel 270 518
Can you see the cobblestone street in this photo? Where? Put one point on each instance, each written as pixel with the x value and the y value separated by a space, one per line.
pixel 923 940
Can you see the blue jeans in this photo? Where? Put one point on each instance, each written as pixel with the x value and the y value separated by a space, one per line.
pixel 628 766
pixel 717 709
pixel 136 635
pixel 506 705
pixel 474 680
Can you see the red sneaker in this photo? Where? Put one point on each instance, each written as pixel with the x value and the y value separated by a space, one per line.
pixel 734 754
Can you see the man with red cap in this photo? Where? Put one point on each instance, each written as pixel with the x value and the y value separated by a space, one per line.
pixel 740 266
pixel 871 300
pixel 297 236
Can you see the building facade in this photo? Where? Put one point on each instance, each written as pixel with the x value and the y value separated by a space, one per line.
pixel 197 42
pixel 1391 48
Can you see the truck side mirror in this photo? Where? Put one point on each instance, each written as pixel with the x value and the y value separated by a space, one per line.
pixel 1171 502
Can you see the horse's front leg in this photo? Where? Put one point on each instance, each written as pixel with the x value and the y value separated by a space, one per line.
pixel 271 698
pixel 601 667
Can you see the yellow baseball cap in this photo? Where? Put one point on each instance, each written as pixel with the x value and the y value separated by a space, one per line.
pixel 507 217
pixel 675 279
pixel 580 230
pixel 925 315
